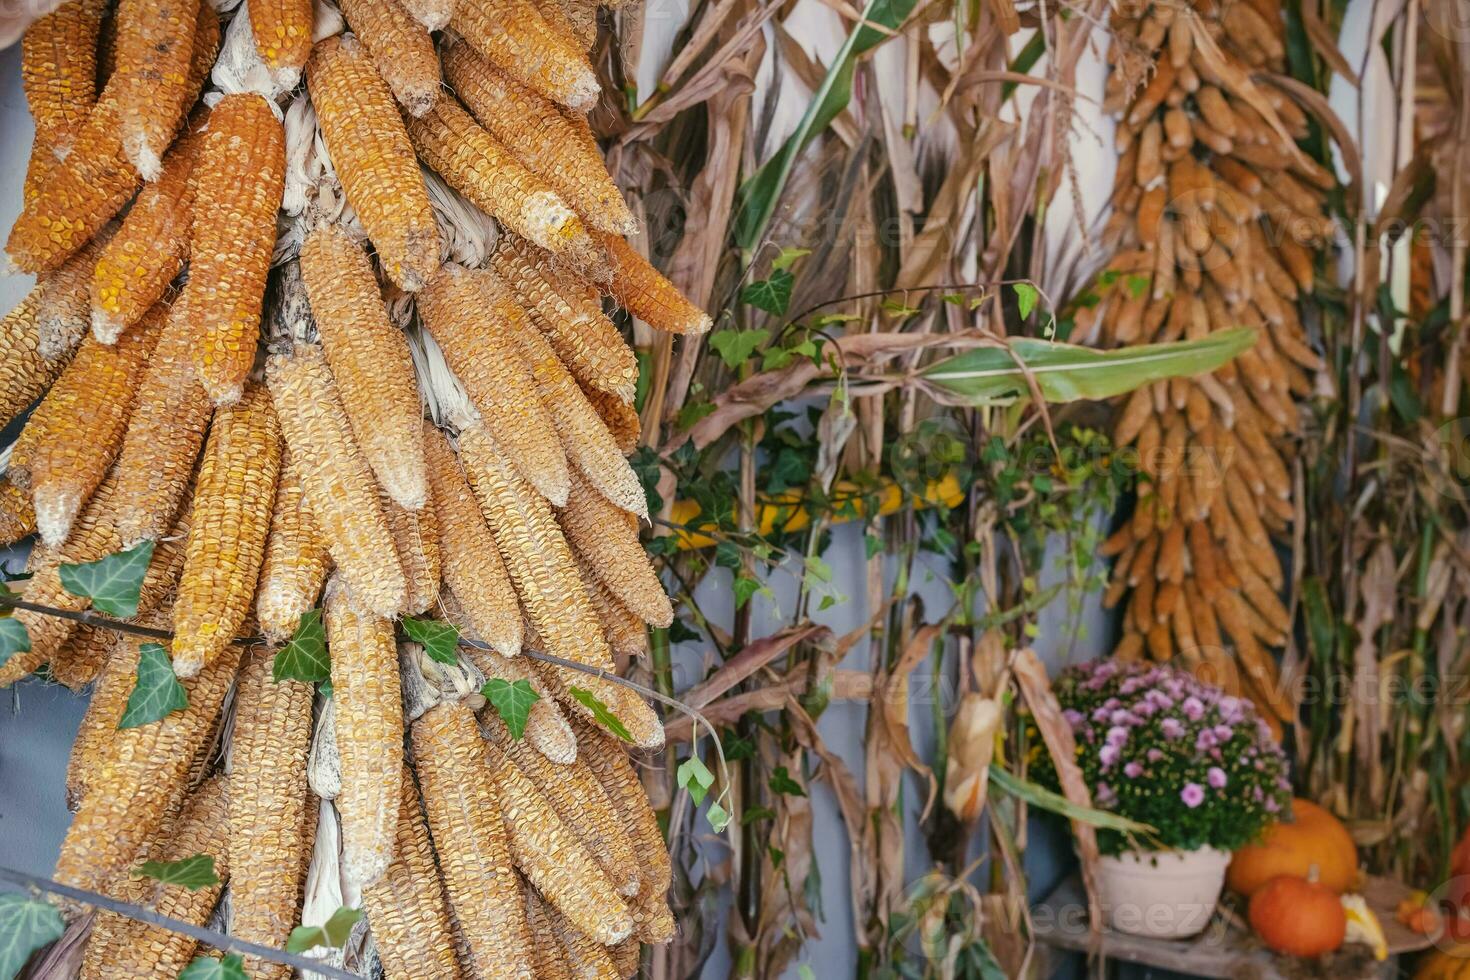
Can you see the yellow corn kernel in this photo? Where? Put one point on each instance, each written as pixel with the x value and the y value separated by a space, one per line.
pixel 462 802
pixel 17 516
pixel 406 908
pixel 153 40
pixel 610 763
pixel 620 417
pixel 514 37
pixel 296 560
pixel 95 734
pixel 374 159
pixel 401 49
pixel 551 960
pixel 472 565
pixel 585 959
pixel 165 432
pixel 282 33
pixel 644 292
pixel 58 70
pixel 73 436
pixel 432 14
pixel 541 136
pixel 369 359
pixel 416 540
pixel 473 162
pixel 65 311
pixel 268 746
pixel 337 483
pixel 24 373
pixel 604 538
pixel 487 361
pixel 238 181
pixel 642 722
pixel 232 515
pixel 586 340
pixel 369 720
pixel 149 250
pixel 625 631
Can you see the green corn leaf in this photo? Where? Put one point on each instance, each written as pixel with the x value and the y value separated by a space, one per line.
pixel 333 932
pixel 601 713
pixel 25 926
pixel 157 692
pixel 192 873
pixel 113 582
pixel 305 657
pixel 440 639
pixel 512 702
pixel 1040 796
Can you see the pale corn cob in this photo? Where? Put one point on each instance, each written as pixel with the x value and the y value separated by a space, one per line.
pixel 369 731
pixel 58 70
pixel 620 417
pixel 268 745
pixel 416 540
pixel 463 806
pixel 336 481
pixel 586 340
pixel 626 957
pixel 473 162
pixel 374 160
pixel 149 250
pixel 153 41
pixel 369 359
pixel 165 432
pixel 556 18
pixel 65 311
pixel 296 560
pixel 585 959
pixel 95 734
pixel 644 292
pixel 73 436
pixel 126 948
pixel 24 373
pixel 581 17
pixel 625 631
pixel 607 542
pixel 551 961
pixel 472 566
pixel 540 136
pixel 406 908
pixel 282 33
pixel 432 14
pixel 232 516
pixel 513 36
pixel 546 730
pixel 401 49
pixel 17 516
pixel 642 722
pixel 487 361
pixel 653 920
pixel 610 763
pixel 552 858
pixel 238 180
pixel 82 657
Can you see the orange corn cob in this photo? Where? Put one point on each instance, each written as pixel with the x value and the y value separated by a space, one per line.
pixel 620 417
pixel 463 806
pixel 541 137
pixel 282 32
pixel 642 722
pixel 336 481
pixel 556 18
pixel 165 432
pixel 473 162
pixel 610 763
pixel 374 160
pixel 416 540
pixel 238 180
pixel 24 373
pixel 515 38
pixel 17 516
pixel 644 292
pixel 608 543
pixel 401 49
pixel 369 724
pixel 406 908
pixel 547 730
pixel 65 311
pixel 472 566
pixel 625 631
pixel 551 961
pixel 432 14
pixel 488 363
pixel 370 361
pixel 232 515
pixel 153 42
pixel 95 734
pixel 75 433
pixel 296 560
pixel 268 746
pixel 58 70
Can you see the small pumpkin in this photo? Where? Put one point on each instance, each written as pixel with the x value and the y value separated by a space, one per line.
pixel 1313 843
pixel 1297 917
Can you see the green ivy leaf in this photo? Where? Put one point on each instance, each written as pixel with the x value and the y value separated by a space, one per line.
pixel 113 582
pixel 208 968
pixel 756 813
pixel 772 295
pixel 157 693
pixel 718 817
pixel 681 632
pixel 695 776
pixel 1136 284
pixel 872 544
pixel 512 702
pixel 601 713
pixel 781 782
pixel 734 346
pixel 305 657
pixel 25 926
pixel 192 873
pixel 788 257
pixel 440 639
pixel 13 638
pixel 745 587
pixel 333 932
pixel 1026 295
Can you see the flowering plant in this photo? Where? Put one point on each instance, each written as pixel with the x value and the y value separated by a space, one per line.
pixel 1160 747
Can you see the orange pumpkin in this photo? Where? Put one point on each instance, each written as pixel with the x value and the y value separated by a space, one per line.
pixel 1297 917
pixel 1313 844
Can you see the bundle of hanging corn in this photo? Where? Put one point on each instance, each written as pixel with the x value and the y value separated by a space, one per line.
pixel 266 455
pixel 1217 218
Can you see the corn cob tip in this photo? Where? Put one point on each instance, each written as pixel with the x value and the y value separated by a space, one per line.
pixel 222 395
pixel 56 510
pixel 585 92
pixel 106 326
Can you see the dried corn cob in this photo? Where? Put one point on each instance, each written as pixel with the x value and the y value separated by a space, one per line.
pixel 17 517
pixel 416 540
pixel 165 432
pixel 93 743
pixel 602 536
pixel 282 32
pixel 58 70
pixel 620 416
pixel 488 363
pixel 643 291
pixel 642 722
pixel 369 731
pixel 374 159
pixel 268 744
pixel 610 763
pixel 65 310
pixel 82 657
pixel 462 802
pixel 153 42
pixel 581 18
pixel 238 180
pixel 75 433
pixel 296 560
pixel 625 631
pixel 516 39
pixel 540 136
pixel 369 359
pixel 546 730
pixel 653 920
pixel 336 481
pixel 401 49
pixel 433 14
pixel 232 507
pixel 551 961
pixel 625 956
pixel 585 959
pixel 24 373
pixel 406 908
